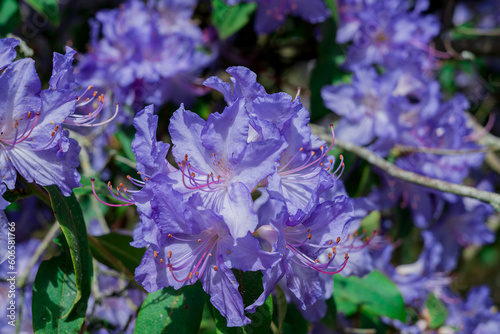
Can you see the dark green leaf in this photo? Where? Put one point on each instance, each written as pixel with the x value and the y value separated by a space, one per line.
pixel 375 294
pixel 48 8
pixel 326 70
pixel 261 320
pixel 172 311
pixel 229 19
pixel 437 311
pixel 9 16
pixel 250 287
pixel 330 319
pixel 69 215
pixel 114 250
pixel 55 295
pixel 294 321
pixel 372 322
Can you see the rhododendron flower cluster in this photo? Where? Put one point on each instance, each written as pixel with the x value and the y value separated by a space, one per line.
pixel 200 220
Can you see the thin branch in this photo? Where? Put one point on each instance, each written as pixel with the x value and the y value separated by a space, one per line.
pixel 402 149
pixel 38 252
pixel 391 169
pixel 478 31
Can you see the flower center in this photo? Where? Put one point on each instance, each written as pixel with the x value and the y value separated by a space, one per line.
pixel 193 262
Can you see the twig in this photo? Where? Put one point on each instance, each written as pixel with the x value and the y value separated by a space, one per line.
pixel 38 252
pixel 402 149
pixel 389 168
pixel 478 31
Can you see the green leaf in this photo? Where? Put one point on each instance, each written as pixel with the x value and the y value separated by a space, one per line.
pixel 281 305
pixel 250 287
pixel 172 311
pixel 69 215
pixel 55 295
pixel 48 8
pixel 114 250
pixel 374 293
pixel 9 16
pixel 326 70
pixel 229 19
pixel 437 311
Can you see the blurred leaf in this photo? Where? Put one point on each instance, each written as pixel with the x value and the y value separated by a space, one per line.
pixel 250 289
pixel 332 5
pixel 374 293
pixel 48 8
pixel 11 195
pixel 372 322
pixel 229 19
pixel 371 222
pixel 281 306
pixel 126 144
pixel 207 325
pixel 172 311
pixel 437 311
pixel 69 215
pixel 326 70
pixel 55 295
pixel 114 250
pixel 330 319
pixel 9 16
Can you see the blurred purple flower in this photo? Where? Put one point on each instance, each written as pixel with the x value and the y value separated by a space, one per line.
pixel 272 13
pixel 147 54
pixel 387 32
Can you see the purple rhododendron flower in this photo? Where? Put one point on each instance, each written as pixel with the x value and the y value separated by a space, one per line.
pixel 32 139
pixel 217 162
pixel 312 251
pixel 195 244
pixel 483 14
pixel 418 279
pixel 147 54
pixel 366 106
pixel 252 191
pixel 272 13
pixel 7 51
pixel 387 32
pixel 462 225
pixel 475 314
pixel 301 177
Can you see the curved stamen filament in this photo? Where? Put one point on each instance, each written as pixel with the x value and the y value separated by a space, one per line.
pixel 205 249
pixel 191 174
pixel 89 119
pixel 92 180
pixel 314 264
pixel 314 162
pixel 24 135
pixel 136 182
